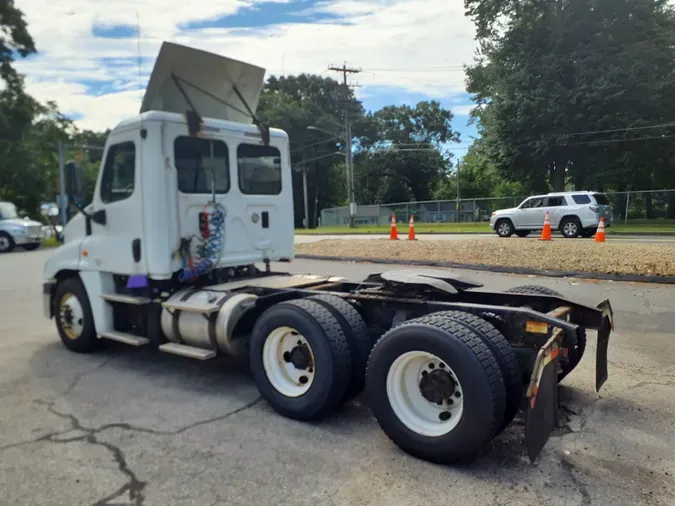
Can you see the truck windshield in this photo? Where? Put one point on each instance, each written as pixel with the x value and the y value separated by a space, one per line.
pixel 8 211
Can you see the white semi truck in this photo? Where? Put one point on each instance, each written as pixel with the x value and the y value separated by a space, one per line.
pixel 192 204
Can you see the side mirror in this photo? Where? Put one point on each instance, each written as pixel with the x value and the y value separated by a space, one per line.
pixel 75 183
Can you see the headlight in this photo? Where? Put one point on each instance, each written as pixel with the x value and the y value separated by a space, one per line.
pixel 19 232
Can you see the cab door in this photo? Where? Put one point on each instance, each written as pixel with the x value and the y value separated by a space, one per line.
pixel 112 241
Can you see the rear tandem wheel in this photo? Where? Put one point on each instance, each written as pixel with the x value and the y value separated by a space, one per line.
pixel 300 359
pixel 436 389
pixel 576 354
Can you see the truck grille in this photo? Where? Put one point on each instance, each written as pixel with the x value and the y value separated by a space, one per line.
pixel 35 230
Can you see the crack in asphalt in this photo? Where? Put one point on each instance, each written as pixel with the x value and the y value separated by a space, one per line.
pixel 76 379
pixel 133 486
pixel 568 467
pixel 647 383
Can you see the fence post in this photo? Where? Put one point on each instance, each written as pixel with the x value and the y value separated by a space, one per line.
pixel 627 204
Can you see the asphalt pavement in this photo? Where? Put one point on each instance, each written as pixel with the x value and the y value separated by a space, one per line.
pixel 133 426
pixel 630 239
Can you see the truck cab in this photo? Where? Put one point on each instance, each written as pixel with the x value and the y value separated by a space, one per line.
pixel 178 194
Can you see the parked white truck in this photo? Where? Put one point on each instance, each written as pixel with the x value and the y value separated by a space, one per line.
pixel 185 209
pixel 17 231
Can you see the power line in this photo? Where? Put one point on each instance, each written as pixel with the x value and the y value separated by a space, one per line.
pixel 616 141
pixel 627 129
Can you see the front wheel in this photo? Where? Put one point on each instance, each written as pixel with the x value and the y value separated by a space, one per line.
pixel 436 389
pixel 74 319
pixel 6 243
pixel 504 228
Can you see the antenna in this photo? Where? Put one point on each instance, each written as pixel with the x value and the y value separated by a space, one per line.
pixel 140 61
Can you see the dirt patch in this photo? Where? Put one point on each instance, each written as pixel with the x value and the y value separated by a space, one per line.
pixel 558 255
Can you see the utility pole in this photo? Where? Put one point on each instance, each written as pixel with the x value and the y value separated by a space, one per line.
pixel 348 147
pixel 63 198
pixel 458 164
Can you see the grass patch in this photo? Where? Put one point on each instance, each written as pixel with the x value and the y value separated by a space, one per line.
pixel 634 227
pixel 51 242
pixel 558 255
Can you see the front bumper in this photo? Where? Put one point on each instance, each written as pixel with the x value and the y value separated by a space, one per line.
pixel 28 239
pixel 542 408
pixel 47 294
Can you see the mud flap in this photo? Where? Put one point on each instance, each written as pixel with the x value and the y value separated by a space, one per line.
pixel 542 409
pixel 601 372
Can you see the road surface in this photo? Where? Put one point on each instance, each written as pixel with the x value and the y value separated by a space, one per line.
pixel 303 239
pixel 133 426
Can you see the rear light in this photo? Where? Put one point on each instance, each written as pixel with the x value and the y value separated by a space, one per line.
pixel 595 209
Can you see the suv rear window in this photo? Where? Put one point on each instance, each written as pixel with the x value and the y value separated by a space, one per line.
pixel 581 199
pixel 601 199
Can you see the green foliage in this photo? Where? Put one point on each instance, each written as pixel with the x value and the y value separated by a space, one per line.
pixel 550 71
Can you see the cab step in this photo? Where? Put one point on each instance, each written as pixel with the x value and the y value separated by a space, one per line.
pixel 123 337
pixel 187 351
pixel 125 299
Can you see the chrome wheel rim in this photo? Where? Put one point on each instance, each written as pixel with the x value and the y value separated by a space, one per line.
pixel 71 316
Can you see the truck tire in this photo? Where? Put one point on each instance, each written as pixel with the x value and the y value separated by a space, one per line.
pixel 6 243
pixel 74 319
pixel 504 228
pixel 575 355
pixel 503 352
pixel 358 339
pixel 427 361
pixel 300 359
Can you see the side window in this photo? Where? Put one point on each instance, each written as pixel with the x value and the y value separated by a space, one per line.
pixel 200 163
pixel 259 169
pixel 581 199
pixel 556 202
pixel 533 203
pixel 119 173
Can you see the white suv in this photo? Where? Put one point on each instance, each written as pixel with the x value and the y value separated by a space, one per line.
pixel 574 214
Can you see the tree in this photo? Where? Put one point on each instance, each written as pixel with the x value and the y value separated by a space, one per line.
pixel 404 159
pixel 15 39
pixel 295 103
pixel 549 72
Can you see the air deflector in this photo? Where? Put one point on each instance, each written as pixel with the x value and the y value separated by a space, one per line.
pixel 187 79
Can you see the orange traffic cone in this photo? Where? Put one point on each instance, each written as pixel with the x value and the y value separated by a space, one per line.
pixel 546 232
pixel 411 229
pixel 393 235
pixel 600 234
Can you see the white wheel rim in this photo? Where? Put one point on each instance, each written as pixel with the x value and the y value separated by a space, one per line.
pixel 4 243
pixel 292 379
pixel 411 407
pixel 71 316
pixel 570 228
pixel 503 228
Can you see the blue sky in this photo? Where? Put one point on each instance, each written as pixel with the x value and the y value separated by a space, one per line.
pixel 409 50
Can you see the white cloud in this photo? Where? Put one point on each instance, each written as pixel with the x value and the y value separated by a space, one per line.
pixel 463 110
pixel 384 34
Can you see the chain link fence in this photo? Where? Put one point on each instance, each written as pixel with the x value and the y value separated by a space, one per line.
pixel 626 206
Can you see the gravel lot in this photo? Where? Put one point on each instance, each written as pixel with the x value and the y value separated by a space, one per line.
pixel 130 426
pixel 565 255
